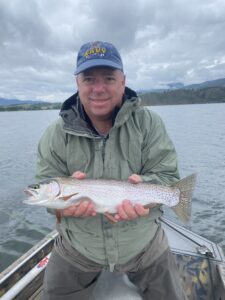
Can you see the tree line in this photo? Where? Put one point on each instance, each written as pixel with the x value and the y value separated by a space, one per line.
pixel 36 106
pixel 185 96
pixel 167 97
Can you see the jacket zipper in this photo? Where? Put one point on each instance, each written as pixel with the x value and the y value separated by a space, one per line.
pixel 103 148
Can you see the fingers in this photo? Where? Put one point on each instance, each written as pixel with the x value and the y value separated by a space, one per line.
pixel 141 210
pixel 151 205
pixel 134 178
pixel 111 218
pixel 83 209
pixel 126 211
pixel 79 175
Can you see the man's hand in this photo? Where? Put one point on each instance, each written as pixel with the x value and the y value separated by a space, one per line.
pixel 135 179
pixel 85 208
pixel 79 175
pixel 126 211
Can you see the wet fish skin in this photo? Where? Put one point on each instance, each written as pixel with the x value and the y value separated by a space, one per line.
pixel 60 193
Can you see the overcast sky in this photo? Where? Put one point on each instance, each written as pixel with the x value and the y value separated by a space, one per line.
pixel 161 41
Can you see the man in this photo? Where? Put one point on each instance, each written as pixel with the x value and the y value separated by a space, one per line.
pixel 103 132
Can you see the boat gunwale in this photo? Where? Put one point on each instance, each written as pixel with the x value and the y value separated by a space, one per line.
pixel 18 269
pixel 217 250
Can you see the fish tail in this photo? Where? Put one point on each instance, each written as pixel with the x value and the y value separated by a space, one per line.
pixel 186 187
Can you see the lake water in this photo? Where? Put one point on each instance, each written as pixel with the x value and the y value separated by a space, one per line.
pixel 198 132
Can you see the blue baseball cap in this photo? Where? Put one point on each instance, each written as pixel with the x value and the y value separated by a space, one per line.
pixel 97 54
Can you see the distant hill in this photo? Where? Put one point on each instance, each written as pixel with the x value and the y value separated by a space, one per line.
pixel 176 93
pixel 185 96
pixel 175 85
pixel 31 106
pixel 4 101
pixel 179 85
pixel 207 84
pixel 15 105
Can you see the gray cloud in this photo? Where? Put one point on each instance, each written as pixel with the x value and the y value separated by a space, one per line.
pixel 160 41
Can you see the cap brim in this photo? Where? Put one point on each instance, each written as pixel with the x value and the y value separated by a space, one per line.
pixel 97 63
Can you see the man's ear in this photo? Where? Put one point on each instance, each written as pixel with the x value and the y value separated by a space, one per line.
pixel 124 79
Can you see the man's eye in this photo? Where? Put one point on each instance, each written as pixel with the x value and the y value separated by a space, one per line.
pixel 88 79
pixel 110 78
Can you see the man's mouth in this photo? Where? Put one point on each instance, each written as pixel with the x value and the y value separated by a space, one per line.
pixel 99 100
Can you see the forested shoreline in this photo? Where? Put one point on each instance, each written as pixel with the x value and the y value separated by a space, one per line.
pixel 167 97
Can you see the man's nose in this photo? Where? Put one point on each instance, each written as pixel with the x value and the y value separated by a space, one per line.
pixel 99 85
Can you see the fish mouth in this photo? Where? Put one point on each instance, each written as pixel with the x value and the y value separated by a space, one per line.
pixel 31 193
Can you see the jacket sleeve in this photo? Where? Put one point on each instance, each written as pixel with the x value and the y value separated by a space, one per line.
pixel 51 153
pixel 159 158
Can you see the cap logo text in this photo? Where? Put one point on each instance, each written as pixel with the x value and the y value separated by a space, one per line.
pixel 95 51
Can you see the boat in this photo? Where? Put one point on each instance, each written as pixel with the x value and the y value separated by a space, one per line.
pixel 200 262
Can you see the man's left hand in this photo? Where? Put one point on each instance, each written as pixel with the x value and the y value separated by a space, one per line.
pixel 126 211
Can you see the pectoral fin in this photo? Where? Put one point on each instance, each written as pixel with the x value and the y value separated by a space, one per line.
pixel 66 198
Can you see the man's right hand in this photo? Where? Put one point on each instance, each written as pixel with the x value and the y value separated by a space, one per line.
pixel 84 208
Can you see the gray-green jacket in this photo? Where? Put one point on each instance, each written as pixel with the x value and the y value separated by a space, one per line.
pixel 137 143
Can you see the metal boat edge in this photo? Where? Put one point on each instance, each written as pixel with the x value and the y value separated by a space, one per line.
pixel 201 264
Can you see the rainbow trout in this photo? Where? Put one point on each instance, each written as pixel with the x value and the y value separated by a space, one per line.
pixel 60 193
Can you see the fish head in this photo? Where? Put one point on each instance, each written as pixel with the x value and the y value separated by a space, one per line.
pixel 51 193
pixel 46 190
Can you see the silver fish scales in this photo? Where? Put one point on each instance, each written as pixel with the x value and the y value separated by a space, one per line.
pixel 62 192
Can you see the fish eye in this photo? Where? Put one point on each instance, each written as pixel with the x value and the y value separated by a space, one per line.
pixel 34 186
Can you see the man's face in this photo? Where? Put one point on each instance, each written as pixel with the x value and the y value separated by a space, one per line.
pixel 101 90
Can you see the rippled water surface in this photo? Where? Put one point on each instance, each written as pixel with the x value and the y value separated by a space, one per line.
pixel 198 132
